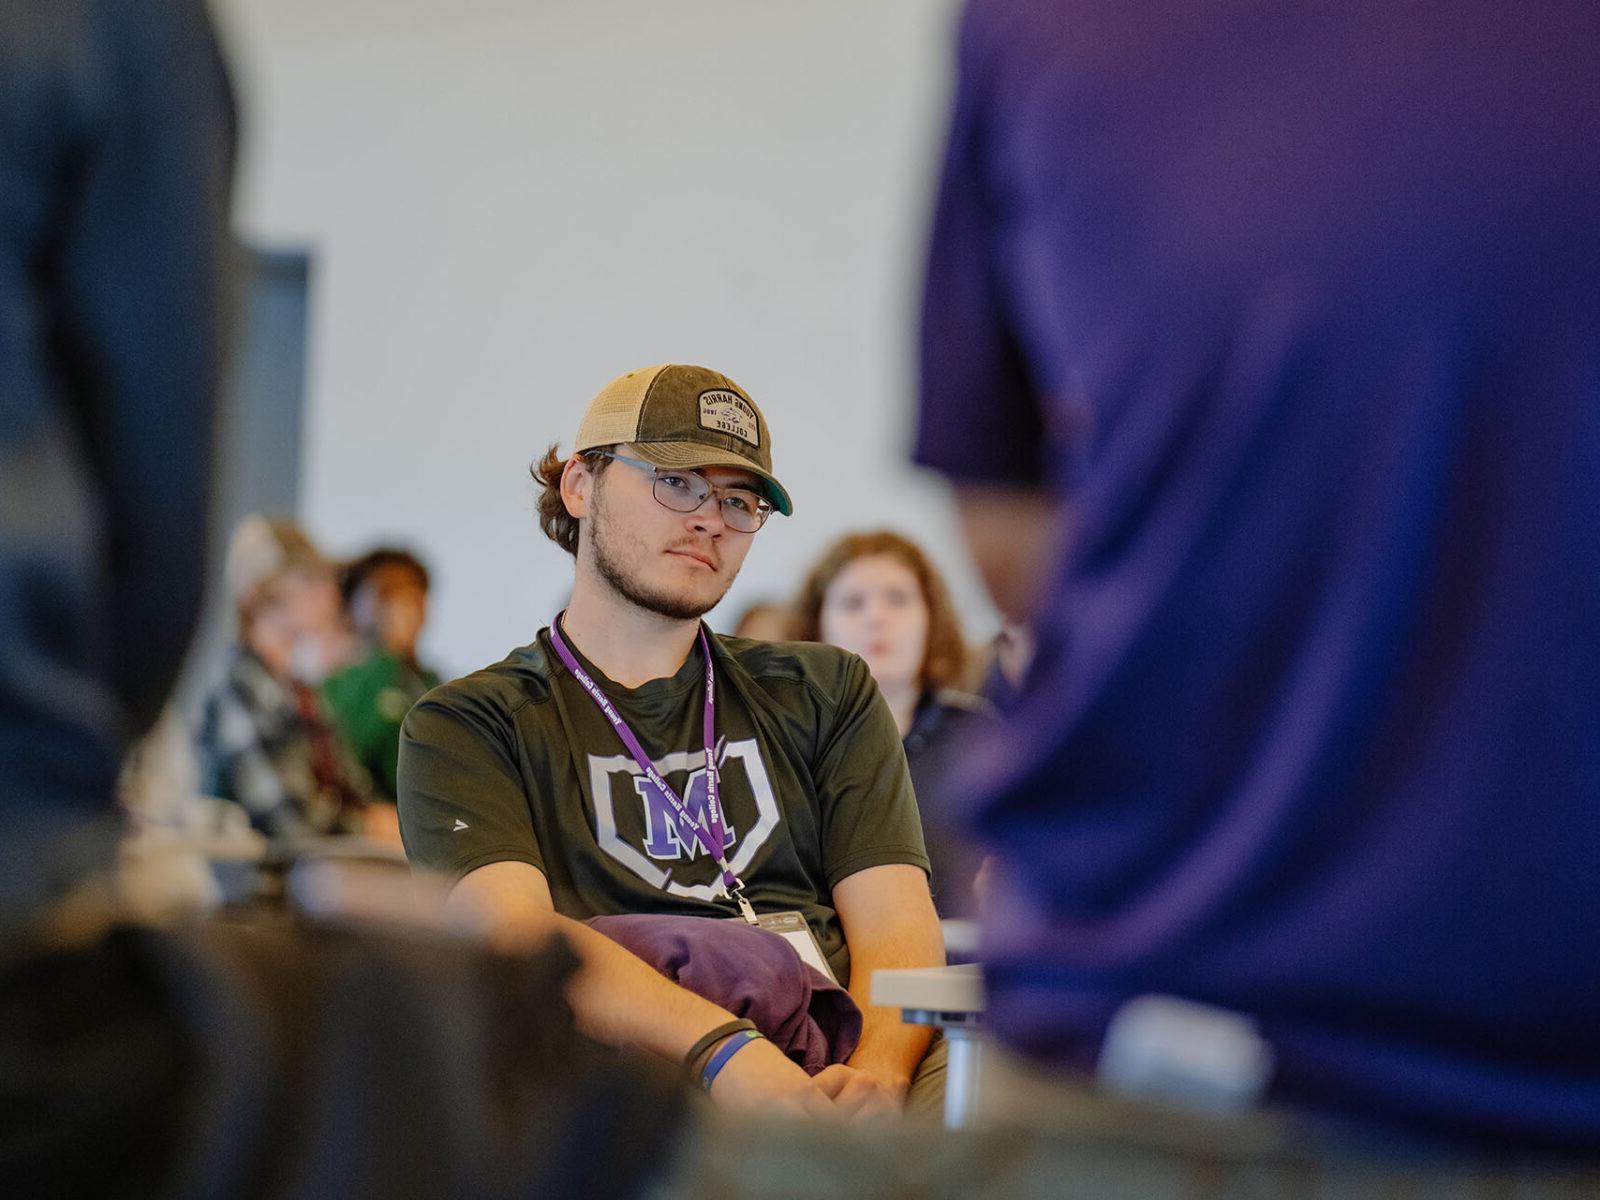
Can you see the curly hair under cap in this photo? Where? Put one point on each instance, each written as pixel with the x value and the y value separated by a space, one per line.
pixel 945 659
pixel 560 526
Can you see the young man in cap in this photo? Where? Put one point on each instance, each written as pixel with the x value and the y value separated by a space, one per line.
pixel 628 760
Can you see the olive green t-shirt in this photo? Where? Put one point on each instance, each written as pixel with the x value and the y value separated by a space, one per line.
pixel 517 763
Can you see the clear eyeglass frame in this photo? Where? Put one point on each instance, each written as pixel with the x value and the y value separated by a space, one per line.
pixel 747 514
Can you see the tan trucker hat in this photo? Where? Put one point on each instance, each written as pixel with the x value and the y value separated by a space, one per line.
pixel 684 417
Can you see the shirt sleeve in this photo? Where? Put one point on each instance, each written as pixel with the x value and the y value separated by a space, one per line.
pixel 978 416
pixel 869 812
pixel 462 802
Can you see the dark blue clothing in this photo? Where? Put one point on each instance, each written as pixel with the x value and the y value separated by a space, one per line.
pixel 259 1056
pixel 1299 306
pixel 116 138
pixel 945 723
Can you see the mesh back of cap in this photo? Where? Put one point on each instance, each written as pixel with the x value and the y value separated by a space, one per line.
pixel 613 414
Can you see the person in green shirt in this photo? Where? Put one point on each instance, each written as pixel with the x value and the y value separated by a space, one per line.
pixel 386 597
pixel 628 760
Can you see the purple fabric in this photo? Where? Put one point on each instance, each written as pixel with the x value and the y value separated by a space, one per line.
pixel 1300 306
pixel 751 973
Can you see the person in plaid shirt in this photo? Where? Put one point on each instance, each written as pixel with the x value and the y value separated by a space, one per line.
pixel 265 740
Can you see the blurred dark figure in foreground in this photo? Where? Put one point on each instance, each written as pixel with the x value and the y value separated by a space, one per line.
pixel 1297 313
pixel 266 740
pixel 113 178
pixel 229 1059
pixel 386 596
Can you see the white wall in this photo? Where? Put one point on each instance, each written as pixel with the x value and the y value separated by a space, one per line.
pixel 512 201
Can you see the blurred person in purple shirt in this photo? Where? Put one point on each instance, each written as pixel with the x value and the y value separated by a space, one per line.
pixel 1263 347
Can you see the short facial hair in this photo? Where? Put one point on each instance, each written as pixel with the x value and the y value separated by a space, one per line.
pixel 676 608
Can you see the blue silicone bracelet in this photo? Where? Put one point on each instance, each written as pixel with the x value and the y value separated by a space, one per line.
pixel 724 1053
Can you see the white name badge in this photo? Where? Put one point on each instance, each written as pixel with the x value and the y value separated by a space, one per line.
pixel 791 926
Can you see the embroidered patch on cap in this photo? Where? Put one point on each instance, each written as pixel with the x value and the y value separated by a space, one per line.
pixel 728 412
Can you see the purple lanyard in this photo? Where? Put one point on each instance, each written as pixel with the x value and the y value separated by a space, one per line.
pixel 711 832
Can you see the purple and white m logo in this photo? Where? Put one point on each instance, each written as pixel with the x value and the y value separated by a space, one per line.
pixel 668 835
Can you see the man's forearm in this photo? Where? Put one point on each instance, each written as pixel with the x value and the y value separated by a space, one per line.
pixel 890 1050
pixel 619 999
pixel 616 997
pixel 889 922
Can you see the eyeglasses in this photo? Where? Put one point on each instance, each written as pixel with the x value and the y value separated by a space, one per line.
pixel 685 491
